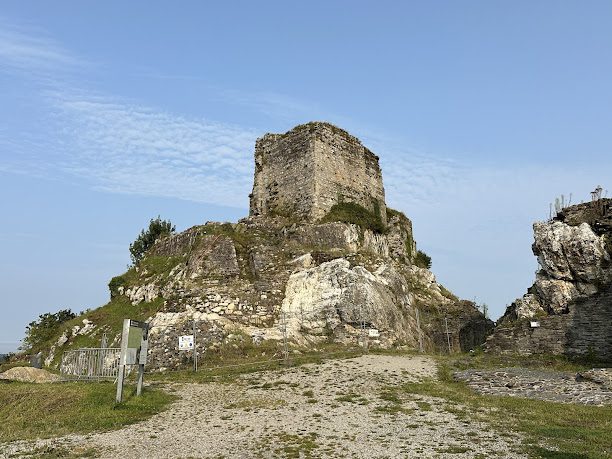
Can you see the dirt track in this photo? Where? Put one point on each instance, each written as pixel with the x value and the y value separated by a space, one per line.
pixel 340 408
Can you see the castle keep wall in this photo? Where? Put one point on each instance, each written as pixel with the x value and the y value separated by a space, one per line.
pixel 309 169
pixel 284 175
pixel 346 171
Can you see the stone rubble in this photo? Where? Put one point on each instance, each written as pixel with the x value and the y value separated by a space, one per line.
pixel 552 386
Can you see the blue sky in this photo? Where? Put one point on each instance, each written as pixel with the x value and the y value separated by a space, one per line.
pixel 114 112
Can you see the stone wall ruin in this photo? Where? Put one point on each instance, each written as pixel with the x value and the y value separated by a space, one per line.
pixel 306 171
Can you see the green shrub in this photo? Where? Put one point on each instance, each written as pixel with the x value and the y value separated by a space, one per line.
pixel 115 283
pixel 350 212
pixel 146 239
pixel 422 260
pixel 40 331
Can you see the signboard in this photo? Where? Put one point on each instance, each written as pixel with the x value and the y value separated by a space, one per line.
pixel 185 343
pixel 534 324
pixel 134 346
pixel 373 333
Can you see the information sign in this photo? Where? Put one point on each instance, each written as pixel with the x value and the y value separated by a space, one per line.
pixel 185 343
pixel 134 346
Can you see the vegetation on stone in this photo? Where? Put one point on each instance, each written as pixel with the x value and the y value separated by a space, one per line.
pixel 423 260
pixel 350 212
pixel 145 240
pixel 40 331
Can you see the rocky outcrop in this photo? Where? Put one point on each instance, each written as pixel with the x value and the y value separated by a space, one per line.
pixel 335 300
pixel 568 310
pixel 284 268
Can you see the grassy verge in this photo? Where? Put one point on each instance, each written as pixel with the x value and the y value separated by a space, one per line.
pixel 483 360
pixel 232 362
pixel 30 411
pixel 550 430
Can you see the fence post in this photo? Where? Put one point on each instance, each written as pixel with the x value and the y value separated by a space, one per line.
pixel 418 321
pixel 195 345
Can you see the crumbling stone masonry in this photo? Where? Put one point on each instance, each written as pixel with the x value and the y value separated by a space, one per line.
pixel 306 171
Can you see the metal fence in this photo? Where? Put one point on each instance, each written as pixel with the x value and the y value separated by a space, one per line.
pixel 91 363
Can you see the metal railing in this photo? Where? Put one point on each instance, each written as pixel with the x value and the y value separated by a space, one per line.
pixel 91 363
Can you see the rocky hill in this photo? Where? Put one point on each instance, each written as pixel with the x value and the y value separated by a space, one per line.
pixel 320 255
pixel 568 310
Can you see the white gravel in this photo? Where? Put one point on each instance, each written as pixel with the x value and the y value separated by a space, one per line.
pixel 273 414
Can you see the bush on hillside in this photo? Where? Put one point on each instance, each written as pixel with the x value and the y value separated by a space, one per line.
pixel 146 239
pixel 40 331
pixel 422 260
pixel 350 212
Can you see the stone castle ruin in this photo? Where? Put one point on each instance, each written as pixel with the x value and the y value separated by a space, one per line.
pixel 306 171
pixel 294 269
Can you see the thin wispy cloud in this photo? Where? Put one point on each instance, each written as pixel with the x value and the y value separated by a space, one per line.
pixel 28 49
pixel 126 148
pixel 120 146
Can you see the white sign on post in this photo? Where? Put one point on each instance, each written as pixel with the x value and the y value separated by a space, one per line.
pixel 373 333
pixel 186 343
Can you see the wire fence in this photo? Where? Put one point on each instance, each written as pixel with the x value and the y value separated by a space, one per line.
pixel 90 364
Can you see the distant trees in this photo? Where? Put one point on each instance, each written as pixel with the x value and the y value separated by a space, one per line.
pixel 146 238
pixel 40 331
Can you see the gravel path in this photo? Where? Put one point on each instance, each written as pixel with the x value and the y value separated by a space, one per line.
pixel 339 408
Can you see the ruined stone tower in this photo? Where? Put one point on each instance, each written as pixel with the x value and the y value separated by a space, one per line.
pixel 306 171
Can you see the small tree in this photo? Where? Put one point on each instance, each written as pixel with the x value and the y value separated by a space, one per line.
pixel 39 331
pixel 484 307
pixel 422 260
pixel 144 241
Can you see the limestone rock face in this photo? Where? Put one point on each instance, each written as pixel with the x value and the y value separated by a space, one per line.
pixel 319 300
pixel 574 263
pixel 570 296
pixel 571 253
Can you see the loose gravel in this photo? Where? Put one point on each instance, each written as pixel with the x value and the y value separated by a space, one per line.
pixel 336 409
pixel 552 386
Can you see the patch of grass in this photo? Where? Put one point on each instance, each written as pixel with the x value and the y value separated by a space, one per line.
pixel 424 406
pixel 30 411
pixel 453 449
pixel 61 452
pixel 297 446
pixel 350 212
pixel 484 360
pixel 575 430
pixel 352 397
